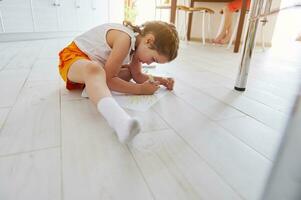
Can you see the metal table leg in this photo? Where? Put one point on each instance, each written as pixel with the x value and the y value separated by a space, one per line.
pixel 249 44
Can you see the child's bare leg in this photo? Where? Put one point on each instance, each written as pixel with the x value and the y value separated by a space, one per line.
pixel 226 30
pixel 223 31
pixel 93 76
pixel 219 37
pixel 227 26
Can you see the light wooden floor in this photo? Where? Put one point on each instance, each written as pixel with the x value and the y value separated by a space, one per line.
pixel 204 140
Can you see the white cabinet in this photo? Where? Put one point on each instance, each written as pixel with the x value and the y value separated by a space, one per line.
pixel 40 16
pixel 100 12
pixel 67 15
pixel 16 16
pixel 84 14
pixel 45 15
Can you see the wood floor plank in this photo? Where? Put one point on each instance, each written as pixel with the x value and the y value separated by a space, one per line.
pixel 174 171
pixel 95 164
pixel 45 70
pixel 50 49
pixel 34 175
pixel 258 136
pixel 149 120
pixel 268 116
pixel 214 87
pixel 11 82
pixel 26 56
pixel 242 167
pixel 34 121
pixel 260 82
pixel 7 55
pixel 4 45
pixel 3 115
pixel 209 106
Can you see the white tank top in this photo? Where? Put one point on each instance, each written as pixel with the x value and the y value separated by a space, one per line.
pixel 94 43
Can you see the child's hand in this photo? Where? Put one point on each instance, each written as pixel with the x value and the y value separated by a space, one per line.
pixel 168 83
pixel 149 87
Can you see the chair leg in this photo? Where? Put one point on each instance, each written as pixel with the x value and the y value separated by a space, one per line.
pixel 181 25
pixel 186 27
pixel 233 32
pixel 262 37
pixel 220 28
pixel 209 27
pixel 178 23
pixel 203 27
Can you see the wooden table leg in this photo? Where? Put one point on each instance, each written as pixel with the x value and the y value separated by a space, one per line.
pixel 190 21
pixel 173 11
pixel 240 25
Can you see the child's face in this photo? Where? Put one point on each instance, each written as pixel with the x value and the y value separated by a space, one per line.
pixel 145 54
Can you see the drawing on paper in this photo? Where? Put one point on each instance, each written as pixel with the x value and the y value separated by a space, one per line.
pixel 139 102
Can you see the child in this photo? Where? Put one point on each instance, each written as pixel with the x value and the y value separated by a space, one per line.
pixel 106 57
pixel 228 11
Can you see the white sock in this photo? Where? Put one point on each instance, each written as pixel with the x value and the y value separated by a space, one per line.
pixel 84 93
pixel 125 126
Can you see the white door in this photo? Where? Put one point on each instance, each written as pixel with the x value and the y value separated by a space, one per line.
pixel 67 15
pixel 84 14
pixel 45 13
pixel 100 12
pixel 16 15
pixel 116 11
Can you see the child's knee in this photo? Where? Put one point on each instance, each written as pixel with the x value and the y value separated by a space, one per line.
pixel 94 68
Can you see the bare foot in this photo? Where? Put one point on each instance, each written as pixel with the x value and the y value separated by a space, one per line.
pixel 218 39
pixel 226 39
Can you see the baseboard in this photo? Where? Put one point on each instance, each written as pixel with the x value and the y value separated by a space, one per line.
pixel 267 44
pixel 9 37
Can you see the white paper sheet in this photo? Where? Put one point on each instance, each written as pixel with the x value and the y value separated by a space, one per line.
pixel 139 102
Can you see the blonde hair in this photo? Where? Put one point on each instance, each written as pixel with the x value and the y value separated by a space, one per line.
pixel 166 36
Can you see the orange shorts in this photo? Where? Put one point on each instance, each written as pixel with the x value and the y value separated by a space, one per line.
pixel 68 56
pixel 237 4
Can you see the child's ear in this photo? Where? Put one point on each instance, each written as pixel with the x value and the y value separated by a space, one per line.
pixel 150 39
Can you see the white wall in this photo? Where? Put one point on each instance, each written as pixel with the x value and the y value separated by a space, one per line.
pixel 288 24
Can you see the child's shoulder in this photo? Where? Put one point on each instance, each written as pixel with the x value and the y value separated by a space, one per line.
pixel 115 35
pixel 116 26
pixel 119 32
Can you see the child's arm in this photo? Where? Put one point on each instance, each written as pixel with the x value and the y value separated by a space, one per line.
pixel 165 81
pixel 136 72
pixel 120 48
pixel 140 77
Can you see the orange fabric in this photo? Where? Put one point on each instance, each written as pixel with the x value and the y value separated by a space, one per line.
pixel 237 4
pixel 68 56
